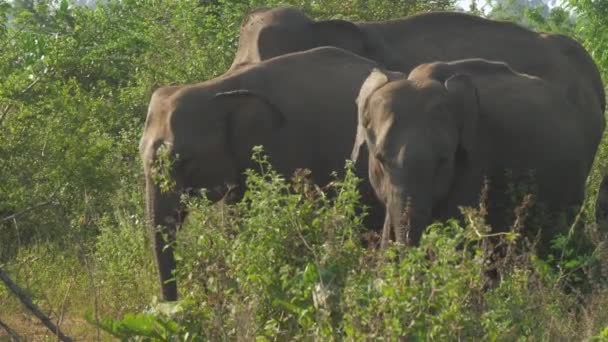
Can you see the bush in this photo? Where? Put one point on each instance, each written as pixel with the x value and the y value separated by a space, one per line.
pixel 288 263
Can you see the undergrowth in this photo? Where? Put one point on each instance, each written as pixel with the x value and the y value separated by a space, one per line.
pixel 288 263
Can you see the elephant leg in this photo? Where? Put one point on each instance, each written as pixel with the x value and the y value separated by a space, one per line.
pixel 164 241
pixel 165 214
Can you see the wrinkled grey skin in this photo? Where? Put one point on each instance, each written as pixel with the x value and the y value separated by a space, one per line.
pixel 212 126
pixel 432 138
pixel 404 43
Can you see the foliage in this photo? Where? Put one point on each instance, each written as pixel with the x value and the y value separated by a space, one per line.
pixel 304 245
pixel 157 324
pixel 540 18
pixel 370 9
pixel 592 28
pixel 288 263
pixel 592 18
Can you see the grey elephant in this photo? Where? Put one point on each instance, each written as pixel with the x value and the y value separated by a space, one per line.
pixel 404 43
pixel 207 131
pixel 434 137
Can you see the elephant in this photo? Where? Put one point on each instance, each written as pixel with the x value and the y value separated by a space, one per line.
pixel 434 137
pixel 299 106
pixel 402 44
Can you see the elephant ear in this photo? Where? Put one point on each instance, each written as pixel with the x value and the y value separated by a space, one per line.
pixel 340 33
pixel 250 119
pixel 464 99
pixel 374 81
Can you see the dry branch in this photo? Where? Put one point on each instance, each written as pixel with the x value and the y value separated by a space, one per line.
pixel 19 213
pixel 27 301
pixel 10 331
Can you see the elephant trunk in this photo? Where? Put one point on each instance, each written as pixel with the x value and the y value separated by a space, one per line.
pixel 163 217
pixel 410 213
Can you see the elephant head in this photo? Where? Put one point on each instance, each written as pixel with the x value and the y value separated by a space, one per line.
pixel 206 139
pixel 269 32
pixel 417 131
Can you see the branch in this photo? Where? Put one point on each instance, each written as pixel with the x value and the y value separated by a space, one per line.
pixel 10 331
pixel 27 301
pixel 19 213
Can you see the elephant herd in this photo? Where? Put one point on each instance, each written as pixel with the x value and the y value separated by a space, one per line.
pixel 429 106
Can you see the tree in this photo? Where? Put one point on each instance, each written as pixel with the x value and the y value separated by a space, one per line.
pixel 537 16
pixel 592 26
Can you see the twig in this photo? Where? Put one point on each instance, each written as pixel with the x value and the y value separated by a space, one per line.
pixel 95 290
pixel 482 235
pixel 10 331
pixel 89 268
pixel 62 306
pixel 27 301
pixel 19 213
